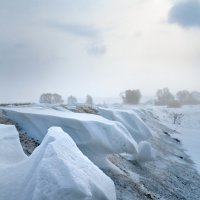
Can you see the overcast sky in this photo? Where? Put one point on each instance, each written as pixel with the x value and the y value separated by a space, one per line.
pixel 100 47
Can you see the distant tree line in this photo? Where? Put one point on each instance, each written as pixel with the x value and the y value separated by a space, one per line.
pixel 182 97
pixel 133 97
pixel 51 98
pixel 54 98
pixel 163 97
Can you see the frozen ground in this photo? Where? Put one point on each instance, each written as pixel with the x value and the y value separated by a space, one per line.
pixel 170 175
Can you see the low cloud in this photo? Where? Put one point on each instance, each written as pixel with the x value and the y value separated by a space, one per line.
pixel 186 13
pixel 97 50
pixel 76 29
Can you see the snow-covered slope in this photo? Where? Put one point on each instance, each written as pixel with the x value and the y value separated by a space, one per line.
pixel 130 120
pixel 185 122
pixel 95 136
pixel 56 170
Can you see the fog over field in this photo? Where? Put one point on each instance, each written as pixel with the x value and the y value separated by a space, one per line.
pixel 97 47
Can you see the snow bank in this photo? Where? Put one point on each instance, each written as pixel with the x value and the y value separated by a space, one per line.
pixel 95 136
pixel 130 120
pixel 56 170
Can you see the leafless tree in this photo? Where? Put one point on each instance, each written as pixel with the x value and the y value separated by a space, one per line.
pixel 131 96
pixel 51 98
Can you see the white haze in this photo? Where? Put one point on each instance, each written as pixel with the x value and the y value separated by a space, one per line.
pixel 97 47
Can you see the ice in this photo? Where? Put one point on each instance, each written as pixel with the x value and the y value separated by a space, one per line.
pixel 57 169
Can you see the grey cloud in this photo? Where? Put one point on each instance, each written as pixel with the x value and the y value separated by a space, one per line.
pixel 76 29
pixel 97 50
pixel 186 13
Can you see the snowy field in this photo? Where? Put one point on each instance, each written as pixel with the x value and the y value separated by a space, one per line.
pixel 119 153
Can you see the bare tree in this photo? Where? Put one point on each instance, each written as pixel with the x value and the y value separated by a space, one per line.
pixel 186 97
pixel 164 97
pixel 89 100
pixel 51 98
pixel 71 100
pixel 131 96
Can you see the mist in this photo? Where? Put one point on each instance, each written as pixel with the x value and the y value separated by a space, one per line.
pixel 98 48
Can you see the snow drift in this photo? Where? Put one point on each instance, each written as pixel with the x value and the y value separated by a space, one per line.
pixel 95 136
pixel 56 170
pixel 130 120
pixel 10 148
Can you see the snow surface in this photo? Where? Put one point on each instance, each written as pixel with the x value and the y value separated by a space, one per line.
pixel 130 120
pixel 10 148
pixel 95 136
pixel 145 151
pixel 185 122
pixel 170 175
pixel 55 170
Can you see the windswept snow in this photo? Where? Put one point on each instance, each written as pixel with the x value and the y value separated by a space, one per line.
pixel 10 148
pixel 185 122
pixel 130 120
pixel 95 136
pixel 145 151
pixel 170 175
pixel 57 169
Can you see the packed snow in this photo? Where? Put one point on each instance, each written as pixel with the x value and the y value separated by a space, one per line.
pixel 96 136
pixel 130 120
pixel 57 169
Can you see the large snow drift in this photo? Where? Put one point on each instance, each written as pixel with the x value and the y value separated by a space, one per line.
pixel 95 136
pixel 56 170
pixel 130 120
